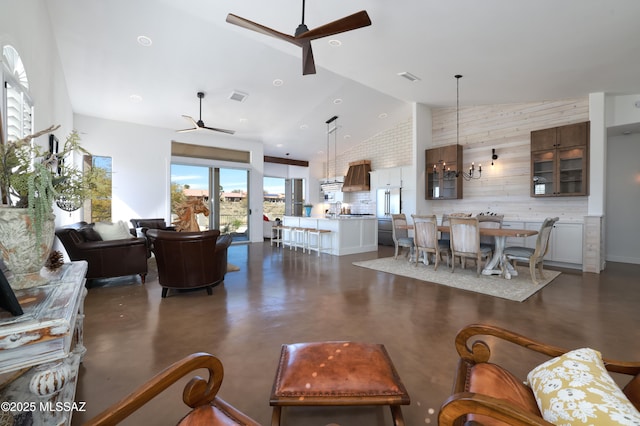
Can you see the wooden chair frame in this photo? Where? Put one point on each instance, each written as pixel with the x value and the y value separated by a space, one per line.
pixel 535 256
pixel 197 393
pixel 400 235
pixel 462 250
pixel 461 403
pixel 425 238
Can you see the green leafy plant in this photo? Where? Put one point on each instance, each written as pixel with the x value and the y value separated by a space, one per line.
pixel 33 178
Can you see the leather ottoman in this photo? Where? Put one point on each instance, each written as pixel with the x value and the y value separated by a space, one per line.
pixel 337 374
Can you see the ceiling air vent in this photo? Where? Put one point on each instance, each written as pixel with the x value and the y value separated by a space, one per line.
pixel 409 76
pixel 237 95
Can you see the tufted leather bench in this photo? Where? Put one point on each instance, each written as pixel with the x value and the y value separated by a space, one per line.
pixel 337 373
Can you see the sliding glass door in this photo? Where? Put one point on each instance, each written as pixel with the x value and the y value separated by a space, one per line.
pixel 223 190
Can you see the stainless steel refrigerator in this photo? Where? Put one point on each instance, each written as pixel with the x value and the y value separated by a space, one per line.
pixel 388 202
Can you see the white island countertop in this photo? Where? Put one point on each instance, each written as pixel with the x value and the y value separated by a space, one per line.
pixel 350 234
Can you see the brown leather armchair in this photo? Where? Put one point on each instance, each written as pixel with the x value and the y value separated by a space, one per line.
pixel 106 259
pixel 189 260
pixel 145 224
pixel 485 393
pixel 141 226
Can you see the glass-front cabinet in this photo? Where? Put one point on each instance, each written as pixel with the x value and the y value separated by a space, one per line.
pixel 559 161
pixel 442 164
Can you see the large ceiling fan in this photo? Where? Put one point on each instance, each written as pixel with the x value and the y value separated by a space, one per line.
pixel 200 124
pixel 303 35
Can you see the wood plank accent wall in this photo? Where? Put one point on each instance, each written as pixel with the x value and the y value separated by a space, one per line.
pixel 505 187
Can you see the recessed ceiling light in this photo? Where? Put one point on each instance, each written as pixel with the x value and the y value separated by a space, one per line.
pixel 144 41
pixel 383 115
pixel 304 126
pixel 347 136
pixel 278 82
pixel 337 101
pixel 409 76
pixel 244 120
pixel 279 145
pixel 135 98
pixel 335 43
pixel 320 152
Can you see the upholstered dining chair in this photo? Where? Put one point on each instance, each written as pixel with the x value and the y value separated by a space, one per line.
pixel 199 394
pixel 400 233
pixel 535 256
pixel 445 237
pixel 489 221
pixel 465 242
pixel 425 238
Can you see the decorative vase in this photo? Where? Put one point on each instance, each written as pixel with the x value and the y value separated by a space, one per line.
pixel 307 211
pixel 23 254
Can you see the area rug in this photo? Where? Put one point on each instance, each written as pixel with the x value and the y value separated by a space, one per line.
pixel 518 288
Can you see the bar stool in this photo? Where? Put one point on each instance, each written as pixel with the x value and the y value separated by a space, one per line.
pixel 298 239
pixel 317 233
pixel 277 235
pixel 287 233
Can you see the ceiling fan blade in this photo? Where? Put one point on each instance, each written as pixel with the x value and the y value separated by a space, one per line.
pixel 191 129
pixel 191 120
pixel 348 23
pixel 308 63
pixel 230 132
pixel 187 130
pixel 250 25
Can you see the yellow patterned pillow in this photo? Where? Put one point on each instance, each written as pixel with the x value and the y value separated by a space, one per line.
pixel 576 389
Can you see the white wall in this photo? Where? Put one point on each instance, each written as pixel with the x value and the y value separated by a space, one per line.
pixel 141 158
pixel 623 199
pixel 25 26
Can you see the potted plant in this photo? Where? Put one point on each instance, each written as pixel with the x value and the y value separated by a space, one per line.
pixel 31 180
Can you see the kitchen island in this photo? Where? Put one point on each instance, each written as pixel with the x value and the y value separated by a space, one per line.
pixel 349 234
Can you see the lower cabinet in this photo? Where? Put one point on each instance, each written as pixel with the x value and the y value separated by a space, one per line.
pixel 565 243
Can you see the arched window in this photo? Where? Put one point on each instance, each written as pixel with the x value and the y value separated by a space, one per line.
pixel 17 106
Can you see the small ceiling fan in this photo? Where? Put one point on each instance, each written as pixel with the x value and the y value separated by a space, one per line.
pixel 303 35
pixel 200 124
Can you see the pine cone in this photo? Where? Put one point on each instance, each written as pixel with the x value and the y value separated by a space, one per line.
pixel 55 260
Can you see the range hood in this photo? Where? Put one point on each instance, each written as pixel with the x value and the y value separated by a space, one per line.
pixel 357 178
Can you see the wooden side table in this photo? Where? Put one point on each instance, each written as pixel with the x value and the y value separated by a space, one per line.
pixel 337 374
pixel 41 350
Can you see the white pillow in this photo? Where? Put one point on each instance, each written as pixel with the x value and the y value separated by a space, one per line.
pixel 113 231
pixel 576 389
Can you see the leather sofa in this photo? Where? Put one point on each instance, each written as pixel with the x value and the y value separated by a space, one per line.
pixel 188 260
pixel 106 259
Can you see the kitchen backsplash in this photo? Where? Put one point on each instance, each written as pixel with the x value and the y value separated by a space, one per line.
pixel 360 202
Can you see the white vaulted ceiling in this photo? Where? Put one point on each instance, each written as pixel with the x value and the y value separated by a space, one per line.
pixel 507 50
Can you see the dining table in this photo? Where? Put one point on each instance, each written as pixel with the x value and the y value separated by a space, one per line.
pixel 497 265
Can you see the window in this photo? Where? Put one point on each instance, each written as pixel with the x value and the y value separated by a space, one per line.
pixel 17 106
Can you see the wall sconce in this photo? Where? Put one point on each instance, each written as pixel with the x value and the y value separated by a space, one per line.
pixel 494 156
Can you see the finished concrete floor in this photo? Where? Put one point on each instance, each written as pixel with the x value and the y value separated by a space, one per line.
pixel 280 296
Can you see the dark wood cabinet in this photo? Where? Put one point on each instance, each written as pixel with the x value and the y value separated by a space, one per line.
pixel 442 163
pixel 559 161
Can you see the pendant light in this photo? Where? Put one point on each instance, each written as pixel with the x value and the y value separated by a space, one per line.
pixel 472 168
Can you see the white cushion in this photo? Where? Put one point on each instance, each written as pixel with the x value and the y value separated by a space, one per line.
pixel 113 231
pixel 576 389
